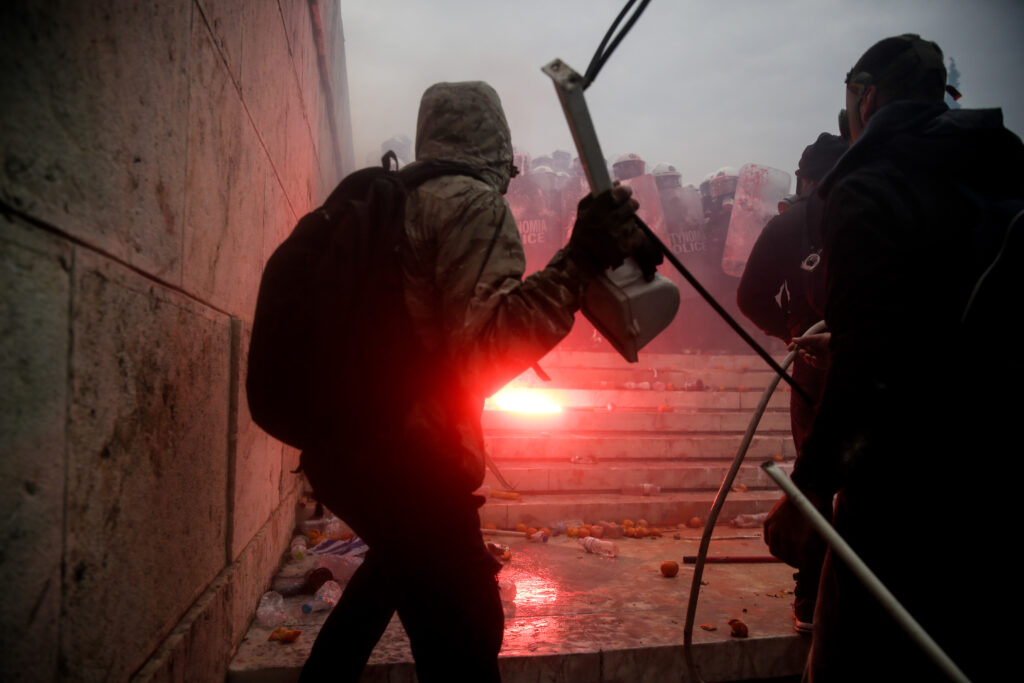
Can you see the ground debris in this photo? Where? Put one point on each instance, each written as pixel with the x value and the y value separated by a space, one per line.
pixel 285 635
pixel 739 629
pixel 709 627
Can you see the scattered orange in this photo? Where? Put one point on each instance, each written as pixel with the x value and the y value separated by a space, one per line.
pixel 695 523
pixel 627 522
pixel 642 522
pixel 491 526
pixel 629 531
pixel 739 629
pixel 572 532
pixel 521 527
pixel 597 531
pixel 669 568
pixel 284 635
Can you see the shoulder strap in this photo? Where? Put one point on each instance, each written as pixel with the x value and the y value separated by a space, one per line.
pixel 420 172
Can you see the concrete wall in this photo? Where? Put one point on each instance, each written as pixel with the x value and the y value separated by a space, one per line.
pixel 154 154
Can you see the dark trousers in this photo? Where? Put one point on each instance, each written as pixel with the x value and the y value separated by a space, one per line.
pixel 426 560
pixel 801 413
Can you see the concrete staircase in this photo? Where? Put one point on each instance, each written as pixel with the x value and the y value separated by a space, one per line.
pixel 625 424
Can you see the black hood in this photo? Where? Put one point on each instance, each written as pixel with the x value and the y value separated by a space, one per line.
pixel 959 143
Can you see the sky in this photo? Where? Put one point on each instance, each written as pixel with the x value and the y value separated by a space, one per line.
pixel 697 84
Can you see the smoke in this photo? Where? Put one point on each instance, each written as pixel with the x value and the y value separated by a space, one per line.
pixel 699 85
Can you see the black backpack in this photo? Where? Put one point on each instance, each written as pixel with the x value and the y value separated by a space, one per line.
pixel 333 353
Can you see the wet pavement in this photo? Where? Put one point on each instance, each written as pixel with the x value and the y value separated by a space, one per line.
pixel 584 617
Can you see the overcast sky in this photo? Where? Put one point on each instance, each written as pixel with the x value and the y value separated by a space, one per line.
pixel 698 84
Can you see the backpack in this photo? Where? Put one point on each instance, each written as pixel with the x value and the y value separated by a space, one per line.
pixel 333 353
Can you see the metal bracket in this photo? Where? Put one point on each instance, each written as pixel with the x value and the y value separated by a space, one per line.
pixel 569 86
pixel 625 309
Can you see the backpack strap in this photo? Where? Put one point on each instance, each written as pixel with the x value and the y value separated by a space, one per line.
pixel 420 172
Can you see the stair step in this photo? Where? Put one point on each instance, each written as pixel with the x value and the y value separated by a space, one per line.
pixel 663 509
pixel 633 420
pixel 738 399
pixel 663 361
pixel 561 446
pixel 612 477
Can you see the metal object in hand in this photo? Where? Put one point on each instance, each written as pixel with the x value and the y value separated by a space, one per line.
pixel 626 309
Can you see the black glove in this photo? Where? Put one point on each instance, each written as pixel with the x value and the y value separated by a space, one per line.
pixel 647 255
pixel 606 233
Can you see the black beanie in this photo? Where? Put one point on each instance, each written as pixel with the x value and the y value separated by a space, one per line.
pixel 820 156
pixel 903 64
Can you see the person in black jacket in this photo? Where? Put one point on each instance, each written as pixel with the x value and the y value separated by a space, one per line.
pixel 782 291
pixel 915 429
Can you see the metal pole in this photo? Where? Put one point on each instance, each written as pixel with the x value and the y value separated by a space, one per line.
pixel 887 600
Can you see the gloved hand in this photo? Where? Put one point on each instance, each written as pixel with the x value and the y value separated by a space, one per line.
pixel 606 233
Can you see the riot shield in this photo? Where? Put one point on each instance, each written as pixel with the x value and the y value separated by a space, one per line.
pixel 538 217
pixel 758 192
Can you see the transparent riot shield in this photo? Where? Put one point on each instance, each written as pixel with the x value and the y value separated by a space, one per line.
pixel 758 192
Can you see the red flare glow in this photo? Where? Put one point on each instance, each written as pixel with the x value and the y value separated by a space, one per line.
pixel 523 400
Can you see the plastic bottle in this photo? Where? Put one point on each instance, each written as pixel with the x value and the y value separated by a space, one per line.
pixel 270 612
pixel 645 489
pixel 599 547
pixel 749 521
pixel 333 527
pixel 298 547
pixel 325 599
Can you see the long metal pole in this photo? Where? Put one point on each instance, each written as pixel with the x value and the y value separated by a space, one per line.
pixel 887 600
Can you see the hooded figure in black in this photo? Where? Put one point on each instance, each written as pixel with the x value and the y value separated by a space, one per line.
pixel 407 488
pixel 915 429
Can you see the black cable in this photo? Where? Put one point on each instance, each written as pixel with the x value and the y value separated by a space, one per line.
pixel 601 55
pixel 737 328
pixel 588 76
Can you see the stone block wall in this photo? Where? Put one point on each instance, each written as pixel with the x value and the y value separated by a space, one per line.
pixel 154 154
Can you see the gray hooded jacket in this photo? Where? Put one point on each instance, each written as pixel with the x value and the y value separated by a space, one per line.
pixel 468 300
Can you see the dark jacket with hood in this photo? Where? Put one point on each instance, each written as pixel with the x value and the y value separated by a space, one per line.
pixel 902 208
pixel 916 426
pixel 775 292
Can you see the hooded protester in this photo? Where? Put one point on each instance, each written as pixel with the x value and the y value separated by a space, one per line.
pixel 410 493
pixel 913 429
pixel 782 291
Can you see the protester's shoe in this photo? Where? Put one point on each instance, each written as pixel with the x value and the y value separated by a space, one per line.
pixel 803 615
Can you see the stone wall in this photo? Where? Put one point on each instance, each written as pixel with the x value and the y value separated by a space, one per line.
pixel 154 155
